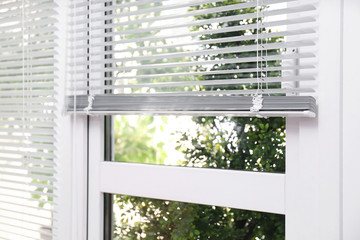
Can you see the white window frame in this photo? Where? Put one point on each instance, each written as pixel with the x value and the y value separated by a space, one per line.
pixel 193 185
pixel 319 193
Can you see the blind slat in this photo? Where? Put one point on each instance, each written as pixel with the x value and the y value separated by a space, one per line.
pixel 211 20
pixel 204 73
pixel 177 15
pixel 222 61
pixel 37 193
pixel 202 52
pixel 27 176
pixel 214 82
pixel 213 41
pixel 227 29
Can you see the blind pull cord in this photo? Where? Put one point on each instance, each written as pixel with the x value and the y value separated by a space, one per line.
pixel 257 98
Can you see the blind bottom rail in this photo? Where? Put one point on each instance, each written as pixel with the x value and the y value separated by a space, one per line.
pixel 113 104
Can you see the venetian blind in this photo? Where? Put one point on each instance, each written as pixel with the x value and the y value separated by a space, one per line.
pixel 193 57
pixel 27 118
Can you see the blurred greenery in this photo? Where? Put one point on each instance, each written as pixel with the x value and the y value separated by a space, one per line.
pixel 255 144
pixel 135 142
pixel 179 221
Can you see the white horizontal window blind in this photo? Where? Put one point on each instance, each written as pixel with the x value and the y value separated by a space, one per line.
pixel 27 118
pixel 205 56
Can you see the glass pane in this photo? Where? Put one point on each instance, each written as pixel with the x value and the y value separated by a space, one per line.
pixel 256 144
pixel 143 218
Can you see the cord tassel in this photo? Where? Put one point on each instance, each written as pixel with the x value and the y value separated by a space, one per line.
pixel 257 103
pixel 91 98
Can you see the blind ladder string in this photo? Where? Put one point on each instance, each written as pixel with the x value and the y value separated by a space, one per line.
pixel 23 145
pixel 259 20
pixel 257 46
pixel 73 77
pixel 266 50
pixel 91 95
pixel 28 75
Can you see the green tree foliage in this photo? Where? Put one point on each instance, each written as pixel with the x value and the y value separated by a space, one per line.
pixel 135 142
pixel 181 221
pixel 256 144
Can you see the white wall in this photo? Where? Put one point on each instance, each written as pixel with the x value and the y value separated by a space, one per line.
pixel 351 120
